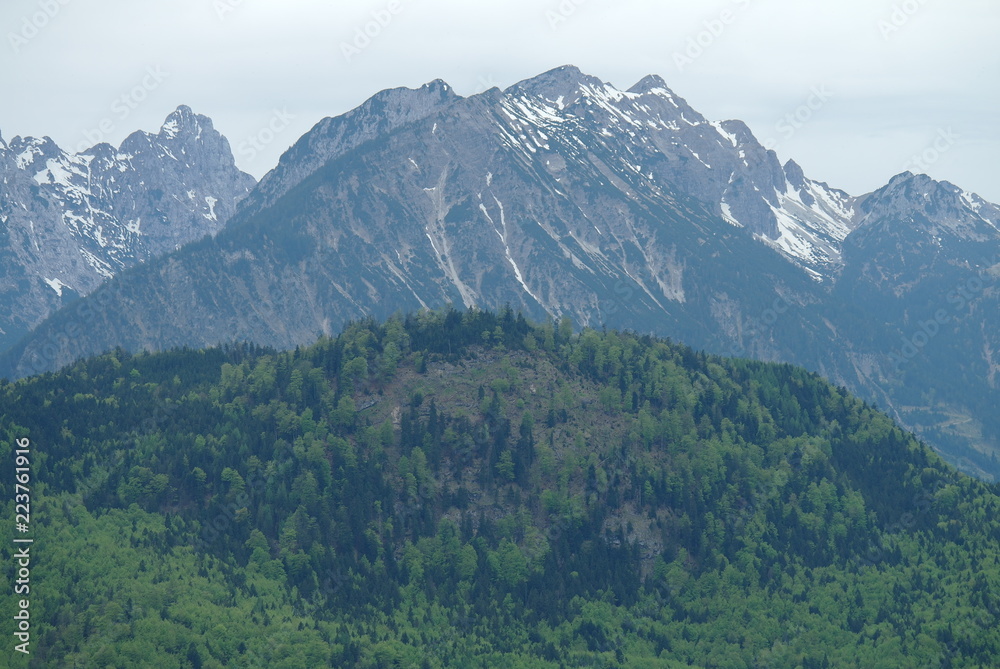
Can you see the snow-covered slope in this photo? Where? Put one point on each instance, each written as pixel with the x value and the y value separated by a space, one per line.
pixel 813 222
pixel 650 138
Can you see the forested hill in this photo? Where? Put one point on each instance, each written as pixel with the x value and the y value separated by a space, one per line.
pixel 467 489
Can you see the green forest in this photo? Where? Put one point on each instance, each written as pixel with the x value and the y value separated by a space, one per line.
pixel 470 489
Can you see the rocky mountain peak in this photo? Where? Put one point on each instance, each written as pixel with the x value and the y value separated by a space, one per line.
pixel 562 85
pixel 898 179
pixel 438 86
pixel 32 153
pixel 651 83
pixel 738 133
pixel 333 137
pixel 102 151
pixel 406 103
pixel 794 174
pixel 184 121
pixel 654 87
pixel 928 212
pixel 184 129
pixel 907 193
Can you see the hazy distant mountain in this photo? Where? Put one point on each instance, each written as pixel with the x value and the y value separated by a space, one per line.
pixel 566 196
pixel 71 221
pixel 920 285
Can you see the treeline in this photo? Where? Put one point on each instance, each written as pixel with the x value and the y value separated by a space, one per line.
pixel 454 489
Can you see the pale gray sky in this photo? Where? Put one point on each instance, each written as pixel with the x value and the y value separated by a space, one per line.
pixel 852 90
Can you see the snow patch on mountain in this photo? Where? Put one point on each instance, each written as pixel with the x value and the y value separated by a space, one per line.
pixel 813 222
pixel 56 285
pixel 727 214
pixel 211 201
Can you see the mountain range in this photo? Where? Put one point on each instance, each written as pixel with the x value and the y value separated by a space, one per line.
pixel 71 221
pixel 563 196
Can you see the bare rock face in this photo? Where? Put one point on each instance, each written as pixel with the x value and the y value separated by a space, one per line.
pixel 69 222
pixel 334 137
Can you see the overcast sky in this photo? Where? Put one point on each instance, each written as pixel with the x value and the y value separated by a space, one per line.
pixel 853 90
